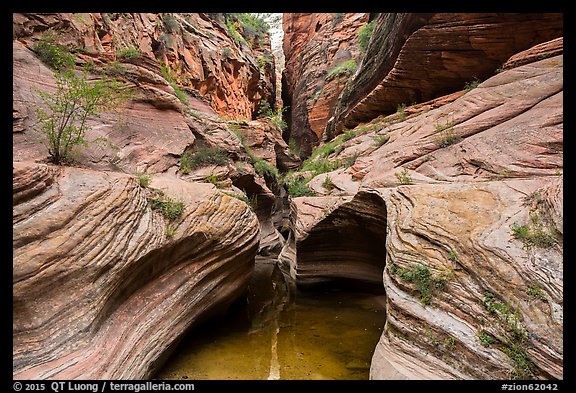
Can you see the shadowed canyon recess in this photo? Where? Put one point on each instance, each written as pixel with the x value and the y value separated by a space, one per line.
pixel 288 196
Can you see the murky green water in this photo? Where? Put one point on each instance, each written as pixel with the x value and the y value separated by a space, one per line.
pixel 328 334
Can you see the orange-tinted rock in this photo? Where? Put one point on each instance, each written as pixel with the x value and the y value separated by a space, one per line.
pixel 337 241
pixel 538 52
pixel 101 289
pixel 447 51
pixel 455 180
pixel 197 50
pixel 314 44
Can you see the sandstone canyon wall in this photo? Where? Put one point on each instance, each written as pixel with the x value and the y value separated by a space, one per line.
pixel 104 284
pixel 468 186
pixel 101 290
pixel 447 198
pixel 314 45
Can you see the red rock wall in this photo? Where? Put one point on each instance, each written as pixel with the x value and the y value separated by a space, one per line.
pixel 440 57
pixel 199 51
pixel 313 45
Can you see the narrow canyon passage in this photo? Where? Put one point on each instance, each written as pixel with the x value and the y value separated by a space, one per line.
pixel 324 323
pixel 288 196
pixel 316 334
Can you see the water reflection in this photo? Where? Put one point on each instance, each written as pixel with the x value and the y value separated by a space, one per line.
pixel 327 334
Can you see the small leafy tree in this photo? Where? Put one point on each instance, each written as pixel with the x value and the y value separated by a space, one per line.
pixel 63 117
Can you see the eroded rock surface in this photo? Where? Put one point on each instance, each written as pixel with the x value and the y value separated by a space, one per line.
pixel 195 49
pixel 314 46
pixel 430 55
pixel 337 240
pixel 104 286
pixel 463 231
pixel 469 189
pixel 155 129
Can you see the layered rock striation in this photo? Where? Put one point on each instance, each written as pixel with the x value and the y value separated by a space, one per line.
pixel 466 190
pixel 499 313
pixel 169 118
pixel 337 241
pixel 195 50
pixel 321 51
pixel 417 57
pixel 104 285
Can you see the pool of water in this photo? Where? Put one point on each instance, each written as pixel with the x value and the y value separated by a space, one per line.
pixel 274 334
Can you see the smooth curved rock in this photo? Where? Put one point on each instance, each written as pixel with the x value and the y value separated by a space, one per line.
pixel 510 126
pixel 439 54
pixel 338 241
pixel 101 290
pixel 151 132
pixel 456 182
pixel 462 231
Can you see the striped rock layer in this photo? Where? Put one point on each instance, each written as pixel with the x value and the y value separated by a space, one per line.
pixel 104 286
pixel 438 198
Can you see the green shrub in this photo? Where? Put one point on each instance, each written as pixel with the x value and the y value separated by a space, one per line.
pixel 420 275
pixel 226 52
pixel 263 168
pixel 62 117
pixel 165 39
pixel 211 178
pixel 252 202
pixel 328 184
pixel 485 339
pixel 319 165
pixel 294 149
pixel 52 54
pixel 265 109
pixel 144 180
pixel 180 94
pixel 296 185
pixel 254 28
pixel 471 85
pixel 168 207
pixel 129 53
pixel 401 112
pixel 534 234
pixel 350 160
pixel 263 61
pixel 379 140
pixel 512 337
pixel 450 343
pixel 114 68
pixel 345 68
pixel 523 366
pixel 171 79
pixel 234 31
pixel 364 35
pixel 276 117
pixel 345 136
pixel 171 23
pixel 536 292
pixel 170 230
pixel 403 177
pixel 447 135
pixel 202 157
